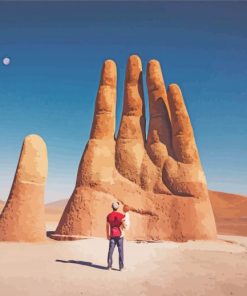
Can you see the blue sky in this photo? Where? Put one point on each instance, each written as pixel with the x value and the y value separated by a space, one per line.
pixel 57 50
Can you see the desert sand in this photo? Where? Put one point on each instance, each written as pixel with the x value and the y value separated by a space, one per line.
pixel 164 268
pixel 169 268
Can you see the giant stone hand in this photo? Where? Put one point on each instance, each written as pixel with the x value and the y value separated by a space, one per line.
pixel 160 178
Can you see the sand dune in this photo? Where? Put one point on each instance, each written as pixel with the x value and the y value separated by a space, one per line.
pixel 230 212
pixel 1 204
pixel 54 210
pixel 57 204
pixel 73 267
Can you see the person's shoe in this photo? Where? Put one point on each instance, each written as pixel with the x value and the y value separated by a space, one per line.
pixel 109 268
pixel 122 269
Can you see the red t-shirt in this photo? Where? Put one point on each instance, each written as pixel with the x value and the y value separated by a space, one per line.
pixel 115 220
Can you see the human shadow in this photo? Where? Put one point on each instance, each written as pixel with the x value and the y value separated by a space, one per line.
pixel 49 233
pixel 85 263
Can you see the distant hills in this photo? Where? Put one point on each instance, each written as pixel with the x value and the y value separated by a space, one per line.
pixel 230 211
pixel 1 204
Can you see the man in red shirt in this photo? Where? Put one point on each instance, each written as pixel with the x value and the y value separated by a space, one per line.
pixel 113 232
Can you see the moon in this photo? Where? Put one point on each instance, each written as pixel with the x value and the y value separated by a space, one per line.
pixel 6 61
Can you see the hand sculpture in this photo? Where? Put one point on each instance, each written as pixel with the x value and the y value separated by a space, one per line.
pixel 160 179
pixel 23 217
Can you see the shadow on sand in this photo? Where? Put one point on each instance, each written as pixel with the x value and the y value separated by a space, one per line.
pixel 85 263
pixel 49 233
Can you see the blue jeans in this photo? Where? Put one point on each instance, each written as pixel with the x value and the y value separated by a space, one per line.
pixel 112 243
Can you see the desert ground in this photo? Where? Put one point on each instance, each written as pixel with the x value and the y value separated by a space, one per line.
pixel 164 268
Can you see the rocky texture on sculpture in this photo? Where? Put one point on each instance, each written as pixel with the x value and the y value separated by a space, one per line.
pixel 160 178
pixel 23 217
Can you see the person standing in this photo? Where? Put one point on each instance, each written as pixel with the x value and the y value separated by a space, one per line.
pixel 113 232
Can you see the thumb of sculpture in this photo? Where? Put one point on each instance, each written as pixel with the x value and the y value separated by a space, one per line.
pixel 23 217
